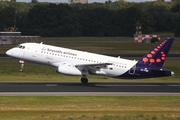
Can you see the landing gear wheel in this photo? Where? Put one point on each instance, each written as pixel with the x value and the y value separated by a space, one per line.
pixel 84 80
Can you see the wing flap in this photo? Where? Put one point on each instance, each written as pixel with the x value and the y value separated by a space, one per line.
pixel 92 67
pixel 99 65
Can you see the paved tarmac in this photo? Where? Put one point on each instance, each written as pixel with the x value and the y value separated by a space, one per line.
pixel 91 89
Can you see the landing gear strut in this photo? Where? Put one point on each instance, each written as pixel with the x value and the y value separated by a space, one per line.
pixel 22 65
pixel 84 80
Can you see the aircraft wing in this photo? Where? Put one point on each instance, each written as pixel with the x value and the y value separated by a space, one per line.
pixel 92 67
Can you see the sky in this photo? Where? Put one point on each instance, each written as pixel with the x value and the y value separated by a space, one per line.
pixel 66 1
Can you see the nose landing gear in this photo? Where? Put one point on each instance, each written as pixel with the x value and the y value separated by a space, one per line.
pixel 22 65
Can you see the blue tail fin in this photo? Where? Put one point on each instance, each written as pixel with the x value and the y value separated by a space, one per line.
pixel 157 55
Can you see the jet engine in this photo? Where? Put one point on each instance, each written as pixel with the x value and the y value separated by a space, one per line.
pixel 68 69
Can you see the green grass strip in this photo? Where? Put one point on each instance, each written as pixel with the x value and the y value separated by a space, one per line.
pixel 90 107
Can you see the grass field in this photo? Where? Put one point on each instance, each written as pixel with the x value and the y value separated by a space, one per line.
pixel 88 108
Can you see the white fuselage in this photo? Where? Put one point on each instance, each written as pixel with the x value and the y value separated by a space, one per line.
pixel 54 56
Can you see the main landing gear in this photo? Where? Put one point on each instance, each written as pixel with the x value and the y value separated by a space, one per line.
pixel 84 80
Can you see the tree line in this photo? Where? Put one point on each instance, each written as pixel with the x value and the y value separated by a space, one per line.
pixel 95 19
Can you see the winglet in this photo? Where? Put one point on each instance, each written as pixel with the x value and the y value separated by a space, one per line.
pixel 157 55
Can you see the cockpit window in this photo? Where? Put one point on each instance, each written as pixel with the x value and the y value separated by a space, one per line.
pixel 20 46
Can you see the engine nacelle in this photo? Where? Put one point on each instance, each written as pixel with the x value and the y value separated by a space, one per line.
pixel 68 70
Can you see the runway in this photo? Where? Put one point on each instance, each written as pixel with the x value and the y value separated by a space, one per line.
pixel 91 89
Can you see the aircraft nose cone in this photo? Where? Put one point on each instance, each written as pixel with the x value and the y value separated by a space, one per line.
pixel 9 53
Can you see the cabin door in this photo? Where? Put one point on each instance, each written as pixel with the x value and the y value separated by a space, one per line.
pixel 132 70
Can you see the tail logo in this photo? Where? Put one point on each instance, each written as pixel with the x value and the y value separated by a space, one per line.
pixel 151 56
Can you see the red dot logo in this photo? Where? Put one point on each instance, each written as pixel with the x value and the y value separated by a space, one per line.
pixel 155 49
pixel 163 58
pixel 149 55
pixel 145 59
pixel 158 60
pixel 153 52
pixel 152 60
pixel 163 55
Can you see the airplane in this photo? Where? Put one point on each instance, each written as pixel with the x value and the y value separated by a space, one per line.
pixel 79 63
